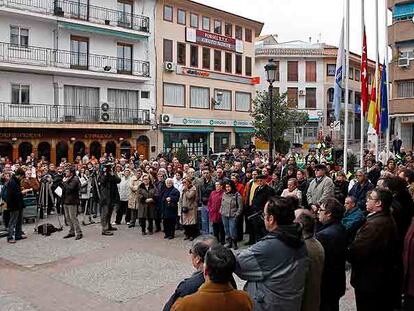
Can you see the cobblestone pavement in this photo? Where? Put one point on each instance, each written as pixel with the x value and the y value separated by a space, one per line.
pixel 126 271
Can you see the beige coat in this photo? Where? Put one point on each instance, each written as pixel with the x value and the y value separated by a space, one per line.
pixel 133 196
pixel 189 199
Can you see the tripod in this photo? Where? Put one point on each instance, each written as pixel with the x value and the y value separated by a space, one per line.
pixel 45 198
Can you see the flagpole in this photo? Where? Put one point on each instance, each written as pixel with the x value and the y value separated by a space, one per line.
pixel 376 69
pixel 387 143
pixel 361 104
pixel 346 77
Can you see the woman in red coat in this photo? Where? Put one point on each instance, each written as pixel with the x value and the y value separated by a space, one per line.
pixel 213 205
pixel 408 257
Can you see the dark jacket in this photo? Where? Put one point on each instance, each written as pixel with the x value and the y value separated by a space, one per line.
pixel 373 175
pixel 333 239
pixel 108 189
pixel 159 190
pixel 261 196
pixel 146 209
pixel 360 193
pixel 70 191
pixel 14 195
pixel 205 188
pixel 372 254
pixel 170 210
pixel 352 221
pixel 408 259
pixel 341 190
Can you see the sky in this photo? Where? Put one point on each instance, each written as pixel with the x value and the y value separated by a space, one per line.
pixel 301 19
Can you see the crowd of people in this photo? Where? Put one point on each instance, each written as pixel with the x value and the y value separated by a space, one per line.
pixel 306 221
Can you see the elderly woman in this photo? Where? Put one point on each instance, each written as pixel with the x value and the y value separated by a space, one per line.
pixel 214 205
pixel 170 198
pixel 134 183
pixel 146 205
pixel 189 204
pixel 292 190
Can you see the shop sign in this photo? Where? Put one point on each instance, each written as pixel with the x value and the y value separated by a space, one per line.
pixel 211 122
pixel 213 40
pixel 98 136
pixel 409 119
pixel 215 75
pixel 20 135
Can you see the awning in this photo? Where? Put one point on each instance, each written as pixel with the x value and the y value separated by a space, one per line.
pixel 244 130
pixel 102 31
pixel 188 129
pixel 403 11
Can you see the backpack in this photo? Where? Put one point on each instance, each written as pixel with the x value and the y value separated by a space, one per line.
pixel 46 229
pixel 4 192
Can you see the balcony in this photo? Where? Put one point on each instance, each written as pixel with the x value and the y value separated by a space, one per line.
pixel 401 105
pixel 401 73
pixel 53 58
pixel 79 11
pixel 401 31
pixel 40 113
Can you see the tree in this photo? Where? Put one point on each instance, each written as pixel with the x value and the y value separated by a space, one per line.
pixel 182 155
pixel 284 118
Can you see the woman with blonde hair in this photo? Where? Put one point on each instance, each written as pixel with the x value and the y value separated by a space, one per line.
pixel 189 208
pixel 134 183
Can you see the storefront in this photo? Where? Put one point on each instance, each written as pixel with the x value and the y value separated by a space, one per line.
pixel 196 140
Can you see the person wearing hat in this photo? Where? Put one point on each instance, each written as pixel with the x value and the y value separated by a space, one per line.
pixel 70 199
pixel 15 207
pixel 321 187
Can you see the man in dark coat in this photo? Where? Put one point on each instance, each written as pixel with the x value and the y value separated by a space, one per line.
pixel 170 198
pixel 109 197
pixel 360 189
pixel 206 187
pixel 408 259
pixel 15 207
pixel 70 201
pixel 373 255
pixel 332 236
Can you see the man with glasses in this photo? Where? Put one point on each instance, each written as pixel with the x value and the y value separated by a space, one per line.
pixel 360 189
pixel 373 255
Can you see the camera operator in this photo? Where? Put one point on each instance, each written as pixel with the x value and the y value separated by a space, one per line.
pixel 109 196
pixel 70 200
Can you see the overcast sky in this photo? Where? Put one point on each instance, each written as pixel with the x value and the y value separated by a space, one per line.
pixel 301 19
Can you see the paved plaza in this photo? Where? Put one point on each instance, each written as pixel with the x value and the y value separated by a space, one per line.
pixel 127 271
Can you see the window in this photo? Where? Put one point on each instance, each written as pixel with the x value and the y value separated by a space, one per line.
pixel 243 101
pixel 226 101
pixel 217 26
pixel 79 47
pixel 217 60
pixel 330 70
pixel 145 94
pixel 124 13
pixel 239 32
pixel 357 75
pixel 351 73
pixel 124 99
pixel 277 71
pixel 293 71
pixel 239 64
pixel 20 94
pixel 168 50
pixel 248 35
pixel 248 66
pixel 206 23
pixel 206 58
pixel 228 62
pixel 168 13
pixel 310 71
pixel 292 97
pixel 78 100
pixel 181 18
pixel 405 89
pixel 194 56
pixel 199 97
pixel 181 53
pixel 310 132
pixel 311 98
pixel 174 95
pixel 19 36
pixel 124 58
pixel 228 29
pixel 194 20
pixel 370 78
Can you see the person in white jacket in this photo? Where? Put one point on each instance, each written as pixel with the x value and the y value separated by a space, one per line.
pixel 124 192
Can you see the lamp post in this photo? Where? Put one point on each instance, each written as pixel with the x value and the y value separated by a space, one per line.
pixel 271 71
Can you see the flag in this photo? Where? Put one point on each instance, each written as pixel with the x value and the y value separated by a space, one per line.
pixel 364 76
pixel 384 100
pixel 373 108
pixel 340 65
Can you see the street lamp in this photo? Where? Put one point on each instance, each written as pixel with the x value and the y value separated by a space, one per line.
pixel 271 72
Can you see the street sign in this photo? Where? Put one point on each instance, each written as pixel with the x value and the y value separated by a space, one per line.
pixel 336 126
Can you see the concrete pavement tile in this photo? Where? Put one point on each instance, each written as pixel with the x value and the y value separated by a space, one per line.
pixel 11 302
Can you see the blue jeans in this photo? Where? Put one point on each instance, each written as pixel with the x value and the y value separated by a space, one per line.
pixel 205 226
pixel 15 225
pixel 230 226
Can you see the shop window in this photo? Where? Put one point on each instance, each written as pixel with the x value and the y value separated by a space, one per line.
pixel 19 36
pixel 95 149
pixel 217 26
pixel 226 101
pixel 6 150
pixel 311 98
pixel 292 97
pixel 196 143
pixel 181 17
pixel 62 152
pixel 110 148
pixel 43 150
pixel 248 66
pixel 199 97
pixel 310 71
pixel 206 58
pixel 239 32
pixel 181 53
pixel 174 95
pixel 194 20
pixel 217 60
pixel 292 71
pixel 25 149
pixel 243 101
pixel 20 94
pixel 126 149
pixel 248 35
pixel 228 29
pixel 330 70
pixel 194 56
pixel 228 62
pixel 168 50
pixel 206 23
pixel 239 64
pixel 310 132
pixel 168 13
pixel 78 149
pixel 221 141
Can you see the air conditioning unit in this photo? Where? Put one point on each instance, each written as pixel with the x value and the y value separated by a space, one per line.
pixel 169 66
pixel 69 119
pixel 302 92
pixel 403 62
pixel 166 118
pixel 104 113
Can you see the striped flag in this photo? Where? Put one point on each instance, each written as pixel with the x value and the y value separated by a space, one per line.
pixel 340 65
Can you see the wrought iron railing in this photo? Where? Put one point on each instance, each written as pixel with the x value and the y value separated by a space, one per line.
pixel 47 57
pixel 41 113
pixel 76 10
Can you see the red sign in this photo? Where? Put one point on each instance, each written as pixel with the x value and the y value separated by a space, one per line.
pixel 255 80
pixel 213 40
